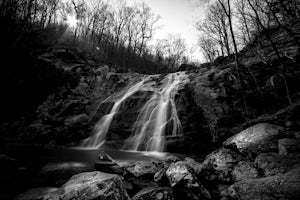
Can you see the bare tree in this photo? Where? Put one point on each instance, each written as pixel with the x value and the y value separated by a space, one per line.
pixel 208 46
pixel 228 11
pixel 216 26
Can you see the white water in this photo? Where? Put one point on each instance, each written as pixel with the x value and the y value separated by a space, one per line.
pixel 158 113
pixel 103 125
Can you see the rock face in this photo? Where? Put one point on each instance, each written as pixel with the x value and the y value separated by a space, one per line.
pixel 145 169
pixel 254 164
pixel 256 139
pixel 244 170
pixel 94 185
pixel 184 182
pixel 179 171
pixel 288 145
pixel 271 163
pixel 217 166
pixel 154 193
pixel 281 186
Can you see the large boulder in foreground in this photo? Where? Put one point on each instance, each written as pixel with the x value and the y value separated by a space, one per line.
pixel 260 138
pixel 94 185
pixel 282 186
pixel 154 193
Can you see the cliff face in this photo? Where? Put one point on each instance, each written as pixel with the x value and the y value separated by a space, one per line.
pixel 269 83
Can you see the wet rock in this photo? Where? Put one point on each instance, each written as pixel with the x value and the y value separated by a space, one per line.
pixel 190 191
pixel 222 190
pixel 139 184
pixel 256 139
pixel 281 186
pixel 196 166
pixel 219 164
pixel 39 194
pixel 154 193
pixel 288 145
pixel 161 178
pixel 94 185
pixel 56 174
pixel 184 182
pixel 172 159
pixel 76 119
pixel 178 171
pixel 129 188
pixel 107 164
pixel 271 163
pixel 134 185
pixel 244 170
pixel 112 169
pixel 145 169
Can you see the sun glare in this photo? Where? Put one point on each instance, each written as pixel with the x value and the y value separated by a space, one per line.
pixel 72 21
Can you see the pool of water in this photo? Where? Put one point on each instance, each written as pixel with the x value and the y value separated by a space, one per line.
pixel 38 155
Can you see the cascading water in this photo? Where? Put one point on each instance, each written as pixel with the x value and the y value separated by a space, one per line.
pixel 102 126
pixel 158 113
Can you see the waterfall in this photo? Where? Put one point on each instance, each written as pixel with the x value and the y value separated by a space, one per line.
pixel 154 117
pixel 103 125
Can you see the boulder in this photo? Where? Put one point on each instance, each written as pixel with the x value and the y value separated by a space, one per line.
pixel 244 170
pixel 39 194
pixel 145 169
pixel 94 185
pixel 281 186
pixel 222 190
pixel 139 184
pixel 184 182
pixel 56 174
pixel 218 165
pixel 256 139
pixel 179 171
pixel 105 163
pixel 154 193
pixel 196 166
pixel 172 159
pixel 161 178
pixel 271 163
pixel 288 145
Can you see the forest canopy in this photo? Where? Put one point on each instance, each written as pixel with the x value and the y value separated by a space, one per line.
pixel 116 32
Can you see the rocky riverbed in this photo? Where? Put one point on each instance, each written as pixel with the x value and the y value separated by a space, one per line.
pixel 261 162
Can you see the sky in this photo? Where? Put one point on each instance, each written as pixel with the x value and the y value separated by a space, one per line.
pixel 178 17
